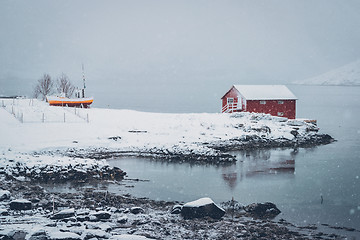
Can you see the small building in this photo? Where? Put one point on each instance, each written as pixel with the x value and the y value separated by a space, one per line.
pixel 276 100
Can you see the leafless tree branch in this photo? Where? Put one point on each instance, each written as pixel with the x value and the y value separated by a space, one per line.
pixel 65 86
pixel 43 87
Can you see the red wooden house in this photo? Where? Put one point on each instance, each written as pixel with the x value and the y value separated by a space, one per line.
pixel 276 100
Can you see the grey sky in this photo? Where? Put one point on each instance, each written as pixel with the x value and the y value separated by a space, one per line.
pixel 170 43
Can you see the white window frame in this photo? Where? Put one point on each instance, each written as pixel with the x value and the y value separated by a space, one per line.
pixel 280 102
pixel 280 114
pixel 227 101
pixel 263 102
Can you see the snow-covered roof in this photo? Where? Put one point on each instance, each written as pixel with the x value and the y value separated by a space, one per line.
pixel 265 92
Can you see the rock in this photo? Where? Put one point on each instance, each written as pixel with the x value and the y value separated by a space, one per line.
pixel 17 235
pixel 83 218
pixel 4 195
pixel 201 208
pixel 101 215
pixel 3 212
pixel 294 132
pixel 82 212
pixel 92 233
pixel 115 138
pixel 176 209
pixel 35 200
pixel 122 219
pixel 66 213
pixel 262 210
pixel 40 235
pixel 57 235
pixel 127 237
pixel 20 204
pixel 136 210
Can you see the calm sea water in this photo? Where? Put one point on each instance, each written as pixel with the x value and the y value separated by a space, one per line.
pixel 310 186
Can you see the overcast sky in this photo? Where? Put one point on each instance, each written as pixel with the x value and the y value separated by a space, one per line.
pixel 128 44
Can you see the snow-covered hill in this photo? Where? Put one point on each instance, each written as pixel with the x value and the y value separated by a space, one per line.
pixel 347 75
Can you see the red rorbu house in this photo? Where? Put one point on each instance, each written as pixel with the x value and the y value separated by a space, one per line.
pixel 276 100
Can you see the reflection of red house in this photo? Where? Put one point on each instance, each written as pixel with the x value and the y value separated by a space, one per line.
pixel 276 100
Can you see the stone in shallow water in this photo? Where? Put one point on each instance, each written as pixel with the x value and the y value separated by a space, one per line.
pixel 262 210
pixel 20 204
pixel 201 208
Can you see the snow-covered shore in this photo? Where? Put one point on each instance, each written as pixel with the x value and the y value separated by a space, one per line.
pixel 88 132
pixel 37 138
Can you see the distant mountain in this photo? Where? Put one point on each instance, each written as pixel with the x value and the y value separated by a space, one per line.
pixel 348 75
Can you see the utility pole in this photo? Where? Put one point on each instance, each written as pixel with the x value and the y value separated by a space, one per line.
pixel 83 90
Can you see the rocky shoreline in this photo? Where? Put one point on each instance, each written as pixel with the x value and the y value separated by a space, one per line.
pixel 97 214
pixel 217 154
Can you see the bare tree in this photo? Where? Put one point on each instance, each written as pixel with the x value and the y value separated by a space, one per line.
pixel 44 87
pixel 65 86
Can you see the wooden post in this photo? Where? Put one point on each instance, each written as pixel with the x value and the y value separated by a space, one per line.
pixel 22 117
pixel 64 117
pixel 3 105
pixel 43 117
pixel 87 117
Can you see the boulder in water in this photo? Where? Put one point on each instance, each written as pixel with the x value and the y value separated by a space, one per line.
pixel 262 210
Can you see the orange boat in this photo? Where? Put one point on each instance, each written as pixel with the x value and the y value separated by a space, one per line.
pixel 69 102
pixel 79 101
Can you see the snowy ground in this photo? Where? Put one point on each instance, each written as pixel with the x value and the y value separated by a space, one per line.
pixel 29 126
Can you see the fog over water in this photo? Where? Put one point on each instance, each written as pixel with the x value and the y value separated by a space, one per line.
pixel 138 46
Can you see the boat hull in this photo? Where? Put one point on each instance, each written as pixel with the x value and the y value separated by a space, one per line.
pixel 70 102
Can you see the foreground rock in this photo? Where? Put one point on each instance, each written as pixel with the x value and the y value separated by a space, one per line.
pixel 20 204
pixel 201 208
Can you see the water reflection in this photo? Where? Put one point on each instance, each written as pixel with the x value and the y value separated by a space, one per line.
pixel 230 176
pixel 258 163
pixel 170 179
